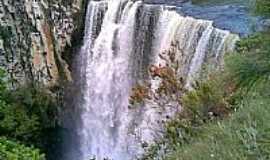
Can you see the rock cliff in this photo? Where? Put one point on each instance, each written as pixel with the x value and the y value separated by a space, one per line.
pixel 34 37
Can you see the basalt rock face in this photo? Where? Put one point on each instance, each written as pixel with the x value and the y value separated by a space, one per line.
pixel 34 35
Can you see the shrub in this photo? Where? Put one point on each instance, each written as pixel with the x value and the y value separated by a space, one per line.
pixel 29 114
pixel 263 7
pixel 10 150
pixel 26 114
pixel 250 65
pixel 207 100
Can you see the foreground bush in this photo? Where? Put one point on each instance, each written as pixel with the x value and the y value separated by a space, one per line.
pixel 10 150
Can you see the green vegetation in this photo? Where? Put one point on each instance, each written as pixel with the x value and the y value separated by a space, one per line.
pixel 27 115
pixel 263 7
pixel 250 65
pixel 244 135
pixel 35 112
pixel 10 150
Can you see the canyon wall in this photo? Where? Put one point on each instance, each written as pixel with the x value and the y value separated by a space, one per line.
pixel 35 35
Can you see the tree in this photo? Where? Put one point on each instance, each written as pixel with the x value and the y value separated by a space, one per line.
pixel 263 7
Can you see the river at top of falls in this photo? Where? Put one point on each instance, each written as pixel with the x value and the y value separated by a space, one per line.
pixel 122 39
pixel 234 15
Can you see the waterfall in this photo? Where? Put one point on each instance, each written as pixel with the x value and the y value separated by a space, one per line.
pixel 122 38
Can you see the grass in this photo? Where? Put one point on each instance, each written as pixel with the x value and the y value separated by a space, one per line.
pixel 243 136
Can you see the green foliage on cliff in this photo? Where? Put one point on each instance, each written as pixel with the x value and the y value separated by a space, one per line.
pixel 15 122
pixel 250 66
pixel 29 115
pixel 10 150
pixel 35 112
pixel 263 7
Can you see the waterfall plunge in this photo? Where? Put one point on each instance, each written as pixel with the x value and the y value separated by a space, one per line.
pixel 122 38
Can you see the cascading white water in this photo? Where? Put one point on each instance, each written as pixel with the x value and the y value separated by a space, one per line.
pixel 122 38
